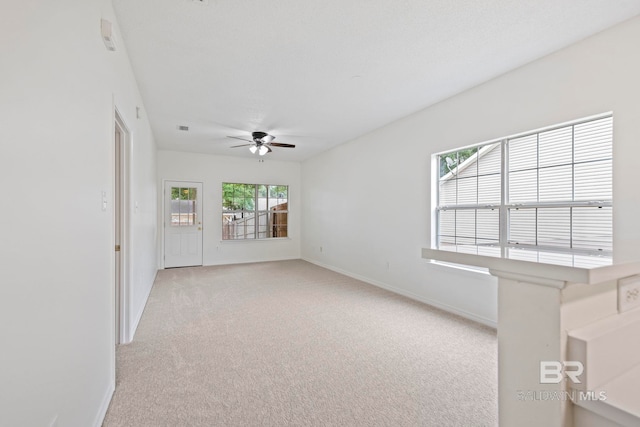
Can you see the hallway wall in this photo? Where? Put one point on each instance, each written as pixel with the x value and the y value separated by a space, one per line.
pixel 58 91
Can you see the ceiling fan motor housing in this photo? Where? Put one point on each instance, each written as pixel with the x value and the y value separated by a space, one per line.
pixel 257 137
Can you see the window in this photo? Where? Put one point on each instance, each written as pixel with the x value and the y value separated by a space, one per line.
pixel 548 189
pixel 254 211
pixel 183 206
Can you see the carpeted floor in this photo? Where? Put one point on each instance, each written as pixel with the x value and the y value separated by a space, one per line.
pixel 291 344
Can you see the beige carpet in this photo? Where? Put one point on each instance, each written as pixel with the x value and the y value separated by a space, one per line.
pixel 292 344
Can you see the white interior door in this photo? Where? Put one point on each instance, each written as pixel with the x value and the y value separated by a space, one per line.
pixel 182 224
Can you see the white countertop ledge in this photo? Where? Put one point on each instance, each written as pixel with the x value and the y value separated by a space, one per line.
pixel 554 269
pixel 623 400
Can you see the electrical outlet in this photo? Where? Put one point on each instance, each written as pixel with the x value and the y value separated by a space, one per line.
pixel 628 293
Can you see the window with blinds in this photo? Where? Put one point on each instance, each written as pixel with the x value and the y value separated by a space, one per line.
pixel 544 189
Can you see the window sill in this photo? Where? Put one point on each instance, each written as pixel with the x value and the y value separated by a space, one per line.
pixel 541 264
pixel 270 239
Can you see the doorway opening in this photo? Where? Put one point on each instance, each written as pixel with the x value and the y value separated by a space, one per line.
pixel 120 206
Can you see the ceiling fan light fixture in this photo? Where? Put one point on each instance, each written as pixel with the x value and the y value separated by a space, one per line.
pixel 261 143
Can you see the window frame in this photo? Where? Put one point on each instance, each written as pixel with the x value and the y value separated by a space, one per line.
pixel 256 212
pixel 505 205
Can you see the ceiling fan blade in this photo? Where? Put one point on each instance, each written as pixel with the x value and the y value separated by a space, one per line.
pixel 277 144
pixel 241 139
pixel 243 145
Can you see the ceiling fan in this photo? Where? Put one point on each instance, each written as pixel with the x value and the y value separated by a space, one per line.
pixel 262 143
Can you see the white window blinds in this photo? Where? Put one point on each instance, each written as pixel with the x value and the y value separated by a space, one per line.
pixel 551 188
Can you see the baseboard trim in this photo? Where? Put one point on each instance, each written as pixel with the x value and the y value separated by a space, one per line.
pixel 446 307
pixel 104 406
pixel 136 320
pixel 244 261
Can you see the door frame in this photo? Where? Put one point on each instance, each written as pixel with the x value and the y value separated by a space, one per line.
pixel 163 216
pixel 122 297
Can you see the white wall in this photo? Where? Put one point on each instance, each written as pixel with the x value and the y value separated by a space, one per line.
pixel 212 171
pixel 58 89
pixel 367 203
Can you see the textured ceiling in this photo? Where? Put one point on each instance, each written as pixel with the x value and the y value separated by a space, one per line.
pixel 319 73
